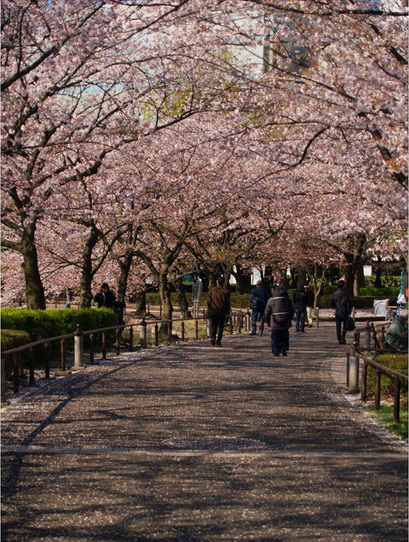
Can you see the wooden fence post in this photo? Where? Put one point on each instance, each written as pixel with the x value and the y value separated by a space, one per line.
pixel 396 399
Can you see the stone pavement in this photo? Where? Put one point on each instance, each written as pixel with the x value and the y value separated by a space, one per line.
pixel 195 443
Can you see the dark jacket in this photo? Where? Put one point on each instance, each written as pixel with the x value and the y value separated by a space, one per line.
pixel 310 298
pixel 278 304
pixel 105 299
pixel 340 302
pixel 218 301
pixel 397 335
pixel 262 295
pixel 300 300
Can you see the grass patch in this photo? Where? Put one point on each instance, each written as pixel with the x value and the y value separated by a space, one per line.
pixel 385 417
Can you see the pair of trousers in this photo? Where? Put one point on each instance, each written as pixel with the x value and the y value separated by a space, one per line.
pixel 299 320
pixel 257 316
pixel 216 328
pixel 280 341
pixel 309 316
pixel 341 326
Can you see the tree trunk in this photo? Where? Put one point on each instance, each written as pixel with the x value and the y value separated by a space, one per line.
pixel 378 273
pixel 124 266
pixel 283 278
pixel 243 280
pixel 87 272
pixel 301 276
pixel 140 304
pixel 35 297
pixel 167 309
pixel 354 258
pixel 182 300
pixel 359 281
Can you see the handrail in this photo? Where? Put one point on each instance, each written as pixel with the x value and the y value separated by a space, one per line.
pixel 238 319
pixel 357 352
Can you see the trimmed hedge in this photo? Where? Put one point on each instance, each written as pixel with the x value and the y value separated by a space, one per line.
pixel 13 338
pixel 241 301
pixel 54 322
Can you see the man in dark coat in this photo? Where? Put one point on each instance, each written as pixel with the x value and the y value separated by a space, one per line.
pixel 341 303
pixel 258 301
pixel 105 297
pixel 300 306
pixel 278 314
pixel 218 307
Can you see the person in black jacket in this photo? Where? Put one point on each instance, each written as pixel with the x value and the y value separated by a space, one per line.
pixel 105 297
pixel 300 306
pixel 340 302
pixel 258 301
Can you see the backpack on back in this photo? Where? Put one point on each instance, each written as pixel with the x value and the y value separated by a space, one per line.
pixel 280 312
pixel 255 302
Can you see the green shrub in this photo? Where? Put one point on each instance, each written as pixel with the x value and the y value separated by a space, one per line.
pixel 380 293
pixel 13 338
pixel 39 324
pixel 55 322
pixel 386 281
pixel 396 362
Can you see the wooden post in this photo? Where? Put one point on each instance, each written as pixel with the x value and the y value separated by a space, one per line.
pixel 396 400
pixel 368 336
pixel 47 360
pixel 143 333
pixel 378 389
pixel 118 341
pixel 91 348
pixel 3 379
pixel 62 355
pixel 16 373
pixel 104 345
pixel 131 339
pixel 364 380
pixel 31 361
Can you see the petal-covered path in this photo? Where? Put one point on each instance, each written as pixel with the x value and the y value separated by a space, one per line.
pixel 195 443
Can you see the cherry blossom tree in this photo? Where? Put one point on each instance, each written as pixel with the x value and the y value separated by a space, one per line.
pixel 94 93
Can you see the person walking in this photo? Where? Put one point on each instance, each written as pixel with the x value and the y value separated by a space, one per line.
pixel 278 315
pixel 105 297
pixel 341 303
pixel 218 307
pixel 258 302
pixel 310 305
pixel 300 307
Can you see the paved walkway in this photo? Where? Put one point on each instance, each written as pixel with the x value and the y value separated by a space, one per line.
pixel 194 443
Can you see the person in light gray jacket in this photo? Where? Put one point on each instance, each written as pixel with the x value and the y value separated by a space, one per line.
pixel 278 315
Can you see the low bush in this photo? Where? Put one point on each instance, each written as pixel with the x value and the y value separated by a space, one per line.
pixel 396 362
pixel 381 293
pixel 13 338
pixel 55 322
